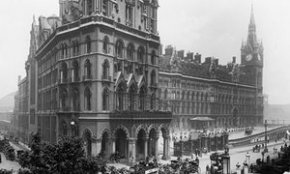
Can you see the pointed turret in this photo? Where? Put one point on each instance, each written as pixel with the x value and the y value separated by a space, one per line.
pixel 252 38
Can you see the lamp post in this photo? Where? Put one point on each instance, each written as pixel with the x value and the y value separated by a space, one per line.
pixel 226 161
pixel 266 149
pixel 181 145
pixel 73 127
pixel 248 158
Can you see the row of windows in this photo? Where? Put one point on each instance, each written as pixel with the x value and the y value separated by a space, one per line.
pixel 132 54
pixel 200 96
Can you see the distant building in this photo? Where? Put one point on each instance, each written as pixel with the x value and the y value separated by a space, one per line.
pixel 93 73
pixel 207 95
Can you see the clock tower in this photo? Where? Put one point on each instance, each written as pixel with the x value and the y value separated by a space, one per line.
pixel 252 55
pixel 252 64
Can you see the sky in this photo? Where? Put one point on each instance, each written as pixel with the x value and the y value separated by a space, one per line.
pixel 210 27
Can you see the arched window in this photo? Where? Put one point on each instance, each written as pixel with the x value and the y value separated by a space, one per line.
pixel 153 78
pixel 89 4
pixel 153 58
pixel 132 94
pixel 64 51
pixel 106 102
pixel 63 99
pixel 76 48
pixel 130 51
pixel 152 101
pixel 106 45
pixel 142 96
pixel 63 73
pixel 165 94
pixel 64 128
pixel 119 49
pixel 106 68
pixel 88 96
pixel 120 96
pixel 76 99
pixel 88 44
pixel 75 73
pixel 105 8
pixel 140 55
pixel 87 69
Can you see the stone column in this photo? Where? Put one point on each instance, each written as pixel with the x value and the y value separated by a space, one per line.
pixel 132 151
pixel 112 146
pixel 156 147
pixel 96 146
pixel 145 147
pixel 166 148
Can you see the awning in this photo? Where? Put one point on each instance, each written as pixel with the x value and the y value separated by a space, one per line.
pixel 201 119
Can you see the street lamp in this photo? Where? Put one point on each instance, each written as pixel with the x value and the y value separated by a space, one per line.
pixel 73 127
pixel 248 156
pixel 181 145
pixel 266 149
pixel 226 161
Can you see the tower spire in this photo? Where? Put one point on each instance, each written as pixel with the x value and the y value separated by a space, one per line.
pixel 252 38
pixel 252 20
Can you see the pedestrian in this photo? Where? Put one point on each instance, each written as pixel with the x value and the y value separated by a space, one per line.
pixel 197 161
pixel 207 169
pixel 193 157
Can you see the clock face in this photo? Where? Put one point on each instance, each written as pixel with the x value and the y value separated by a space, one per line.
pixel 249 57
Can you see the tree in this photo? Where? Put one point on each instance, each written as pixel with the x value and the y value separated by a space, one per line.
pixel 66 157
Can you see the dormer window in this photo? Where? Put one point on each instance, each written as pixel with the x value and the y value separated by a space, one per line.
pixel 129 15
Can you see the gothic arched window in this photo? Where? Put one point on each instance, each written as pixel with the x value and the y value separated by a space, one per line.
pixel 142 96
pixel 132 94
pixel 88 44
pixel 106 102
pixel 63 73
pixel 153 58
pixel 106 43
pixel 106 69
pixel 88 96
pixel 63 99
pixel 119 49
pixel 152 101
pixel 130 51
pixel 140 54
pixel 87 69
pixel 89 5
pixel 153 78
pixel 120 96
pixel 75 73
pixel 76 99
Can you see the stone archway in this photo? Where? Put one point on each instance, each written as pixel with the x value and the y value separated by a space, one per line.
pixel 87 137
pixel 153 143
pixel 164 141
pixel 121 145
pixel 105 145
pixel 141 145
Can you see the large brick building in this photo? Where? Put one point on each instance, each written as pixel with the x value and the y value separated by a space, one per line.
pixel 208 95
pixel 93 73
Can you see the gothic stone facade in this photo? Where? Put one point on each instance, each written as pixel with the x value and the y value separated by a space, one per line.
pixel 207 95
pixel 97 75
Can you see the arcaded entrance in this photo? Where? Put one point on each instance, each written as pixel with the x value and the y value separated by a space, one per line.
pixel 105 145
pixel 121 143
pixel 141 143
pixel 87 137
pixel 152 142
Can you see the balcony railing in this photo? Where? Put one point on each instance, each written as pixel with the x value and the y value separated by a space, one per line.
pixel 141 115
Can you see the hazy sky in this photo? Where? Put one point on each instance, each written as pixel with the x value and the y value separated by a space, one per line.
pixel 210 27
